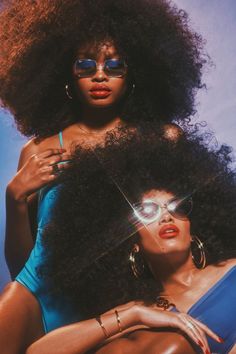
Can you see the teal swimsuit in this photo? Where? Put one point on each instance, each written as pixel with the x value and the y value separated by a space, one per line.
pixel 56 312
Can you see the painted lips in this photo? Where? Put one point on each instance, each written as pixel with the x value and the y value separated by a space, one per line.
pixel 100 91
pixel 168 231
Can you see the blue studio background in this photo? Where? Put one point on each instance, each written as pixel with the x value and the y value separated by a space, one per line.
pixel 216 21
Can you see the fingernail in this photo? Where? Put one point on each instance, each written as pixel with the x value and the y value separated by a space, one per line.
pixel 221 340
pixel 200 343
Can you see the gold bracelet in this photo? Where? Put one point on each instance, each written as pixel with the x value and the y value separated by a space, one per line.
pixel 98 319
pixel 118 321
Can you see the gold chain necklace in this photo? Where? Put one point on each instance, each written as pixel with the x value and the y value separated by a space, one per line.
pixel 90 132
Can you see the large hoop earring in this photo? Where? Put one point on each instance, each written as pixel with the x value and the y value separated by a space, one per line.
pixel 199 259
pixel 137 266
pixel 68 94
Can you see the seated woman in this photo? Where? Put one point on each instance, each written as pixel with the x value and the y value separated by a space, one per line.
pixel 151 226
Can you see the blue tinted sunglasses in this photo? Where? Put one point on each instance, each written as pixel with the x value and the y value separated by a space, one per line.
pixel 89 67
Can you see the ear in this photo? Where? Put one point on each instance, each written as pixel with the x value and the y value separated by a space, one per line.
pixel 136 247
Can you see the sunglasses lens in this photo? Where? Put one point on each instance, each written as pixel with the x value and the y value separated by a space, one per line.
pixel 115 67
pixel 147 211
pixel 84 67
pixel 180 208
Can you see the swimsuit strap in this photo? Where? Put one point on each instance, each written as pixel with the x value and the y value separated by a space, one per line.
pixel 61 139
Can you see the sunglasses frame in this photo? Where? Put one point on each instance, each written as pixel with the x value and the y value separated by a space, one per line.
pixel 162 206
pixel 99 67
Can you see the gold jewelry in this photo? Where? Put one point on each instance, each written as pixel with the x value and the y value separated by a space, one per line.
pixel 163 303
pixel 187 322
pixel 191 326
pixel 98 319
pixel 200 262
pixel 118 321
pixel 68 94
pixel 91 132
pixel 137 270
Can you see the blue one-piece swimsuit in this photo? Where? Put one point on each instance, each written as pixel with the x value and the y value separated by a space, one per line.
pixel 56 312
pixel 217 308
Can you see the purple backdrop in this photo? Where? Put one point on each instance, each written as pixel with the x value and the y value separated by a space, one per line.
pixel 216 21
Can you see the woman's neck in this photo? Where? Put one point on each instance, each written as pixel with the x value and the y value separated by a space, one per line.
pixel 175 273
pixel 99 120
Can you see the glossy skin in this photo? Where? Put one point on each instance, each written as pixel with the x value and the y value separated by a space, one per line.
pixel 117 85
pixel 35 170
pixel 150 241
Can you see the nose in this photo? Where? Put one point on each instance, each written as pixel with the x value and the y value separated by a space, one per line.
pixel 166 217
pixel 100 75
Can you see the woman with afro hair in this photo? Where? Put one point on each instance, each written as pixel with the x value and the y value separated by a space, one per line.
pixel 72 70
pixel 153 239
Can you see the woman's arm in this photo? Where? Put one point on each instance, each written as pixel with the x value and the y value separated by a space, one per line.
pixel 81 337
pixel 34 171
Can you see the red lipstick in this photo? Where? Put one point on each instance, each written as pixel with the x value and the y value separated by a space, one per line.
pixel 100 91
pixel 168 231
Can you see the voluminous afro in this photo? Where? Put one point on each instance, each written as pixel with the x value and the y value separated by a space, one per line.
pixel 39 40
pixel 91 233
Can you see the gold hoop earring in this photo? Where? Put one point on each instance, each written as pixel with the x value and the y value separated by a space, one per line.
pixel 138 268
pixel 67 89
pixel 199 260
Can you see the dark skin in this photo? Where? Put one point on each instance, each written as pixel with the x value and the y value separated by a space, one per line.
pixel 21 312
pixel 36 159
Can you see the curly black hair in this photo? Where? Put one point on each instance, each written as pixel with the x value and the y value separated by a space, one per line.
pixel 91 233
pixel 39 40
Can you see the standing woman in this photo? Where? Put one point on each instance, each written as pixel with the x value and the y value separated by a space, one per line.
pixel 71 71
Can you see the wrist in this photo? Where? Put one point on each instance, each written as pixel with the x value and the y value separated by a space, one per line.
pixel 15 192
pixel 141 313
pixel 115 323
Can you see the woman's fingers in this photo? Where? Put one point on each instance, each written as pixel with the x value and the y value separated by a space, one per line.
pixel 59 167
pixel 51 160
pixel 50 152
pixel 194 332
pixel 208 331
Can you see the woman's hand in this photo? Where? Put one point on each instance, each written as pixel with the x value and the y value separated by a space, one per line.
pixel 196 331
pixel 38 170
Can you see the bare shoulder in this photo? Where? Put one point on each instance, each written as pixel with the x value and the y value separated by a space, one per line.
pixel 229 263
pixel 151 342
pixel 172 131
pixel 119 346
pixel 223 267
